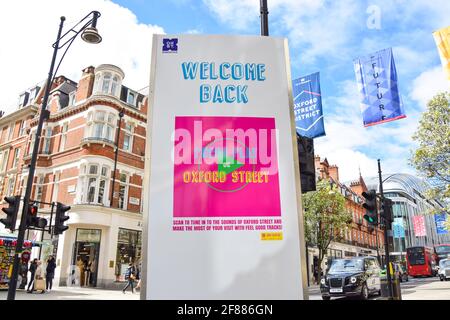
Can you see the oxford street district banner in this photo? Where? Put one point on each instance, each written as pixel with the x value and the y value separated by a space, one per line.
pixel 222 193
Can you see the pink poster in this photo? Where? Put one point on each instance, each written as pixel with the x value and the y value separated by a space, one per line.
pixel 226 167
pixel 419 226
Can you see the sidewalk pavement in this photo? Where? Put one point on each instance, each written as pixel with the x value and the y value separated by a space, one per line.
pixel 74 293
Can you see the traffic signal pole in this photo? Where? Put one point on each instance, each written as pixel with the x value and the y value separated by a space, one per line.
pixel 386 239
pixel 26 200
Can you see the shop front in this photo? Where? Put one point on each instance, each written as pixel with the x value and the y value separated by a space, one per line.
pixel 129 246
pixel 85 257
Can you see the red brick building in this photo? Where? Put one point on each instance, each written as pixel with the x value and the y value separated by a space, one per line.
pixel 75 166
pixel 360 239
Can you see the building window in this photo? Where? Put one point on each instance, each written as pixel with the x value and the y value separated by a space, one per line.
pixel 47 141
pixel 64 129
pixel 23 99
pixel 39 188
pixel 123 191
pixel 129 246
pixel 72 98
pixel 4 155
pixel 22 128
pixel 102 126
pixel 94 184
pixel 16 157
pixel 128 138
pixel 33 94
pixel 131 98
pixel 114 85
pixel 10 132
pixel 11 183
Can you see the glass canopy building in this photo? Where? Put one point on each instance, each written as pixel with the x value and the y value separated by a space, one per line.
pixel 408 195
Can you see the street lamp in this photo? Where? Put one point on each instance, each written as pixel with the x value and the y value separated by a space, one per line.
pixel 88 27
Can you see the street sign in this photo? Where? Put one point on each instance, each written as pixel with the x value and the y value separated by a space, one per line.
pixel 222 187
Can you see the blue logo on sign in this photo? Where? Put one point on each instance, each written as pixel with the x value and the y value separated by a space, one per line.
pixel 170 45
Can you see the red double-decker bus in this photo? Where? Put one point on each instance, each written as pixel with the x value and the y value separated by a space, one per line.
pixel 442 251
pixel 421 261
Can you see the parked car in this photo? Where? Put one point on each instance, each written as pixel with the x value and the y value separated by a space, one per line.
pixel 359 276
pixel 444 269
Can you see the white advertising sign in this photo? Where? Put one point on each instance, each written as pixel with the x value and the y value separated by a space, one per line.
pixel 222 215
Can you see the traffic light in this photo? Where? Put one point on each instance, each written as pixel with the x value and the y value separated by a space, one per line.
pixel 306 161
pixel 32 219
pixel 387 213
pixel 60 218
pixel 371 207
pixel 11 212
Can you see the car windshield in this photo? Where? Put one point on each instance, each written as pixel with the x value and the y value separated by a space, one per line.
pixel 346 265
pixel 444 264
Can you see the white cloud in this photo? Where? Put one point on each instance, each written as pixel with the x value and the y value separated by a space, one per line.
pixel 26 50
pixel 428 84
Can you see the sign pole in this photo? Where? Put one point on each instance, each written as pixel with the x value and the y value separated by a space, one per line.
pixel 386 239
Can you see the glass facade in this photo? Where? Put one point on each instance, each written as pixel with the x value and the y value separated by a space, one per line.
pixel 408 195
pixel 129 248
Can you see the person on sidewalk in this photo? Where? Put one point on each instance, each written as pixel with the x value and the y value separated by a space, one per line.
pixel 39 282
pixel 138 275
pixel 50 273
pixel 130 276
pixel 32 269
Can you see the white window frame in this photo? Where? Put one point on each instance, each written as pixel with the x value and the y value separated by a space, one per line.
pixel 11 185
pixel 101 174
pixel 128 132
pixel 72 98
pixel 108 122
pixel 22 128
pixel 16 158
pixel 131 94
pixel 63 141
pixel 47 137
pixel 39 187
pixel 126 186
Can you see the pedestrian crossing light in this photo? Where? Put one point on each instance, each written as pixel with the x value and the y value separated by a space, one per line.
pixel 371 207
pixel 32 219
pixel 11 212
pixel 60 218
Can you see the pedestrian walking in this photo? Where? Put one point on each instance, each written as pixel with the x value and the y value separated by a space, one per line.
pixel 50 273
pixel 130 276
pixel 138 275
pixel 39 282
pixel 32 269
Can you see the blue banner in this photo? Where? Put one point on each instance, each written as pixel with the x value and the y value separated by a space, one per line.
pixel 377 84
pixel 308 106
pixel 397 228
pixel 440 220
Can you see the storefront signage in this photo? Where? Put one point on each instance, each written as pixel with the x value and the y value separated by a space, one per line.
pixel 221 185
pixel 134 201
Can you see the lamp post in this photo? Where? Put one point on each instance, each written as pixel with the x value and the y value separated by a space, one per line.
pixel 87 25
pixel 116 153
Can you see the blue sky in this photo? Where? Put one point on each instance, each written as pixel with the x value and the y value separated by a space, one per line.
pixel 326 36
pixel 323 35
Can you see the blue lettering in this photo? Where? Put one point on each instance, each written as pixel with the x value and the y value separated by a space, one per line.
pixel 218 96
pixel 189 70
pixel 242 94
pixel 205 93
pixel 222 68
pixel 203 70
pixel 261 68
pixel 237 71
pixel 212 71
pixel 250 71
pixel 228 98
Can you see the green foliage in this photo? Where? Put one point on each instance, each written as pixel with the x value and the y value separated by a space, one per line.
pixel 432 157
pixel 325 217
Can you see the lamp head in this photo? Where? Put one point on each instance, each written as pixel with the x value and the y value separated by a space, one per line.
pixel 90 35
